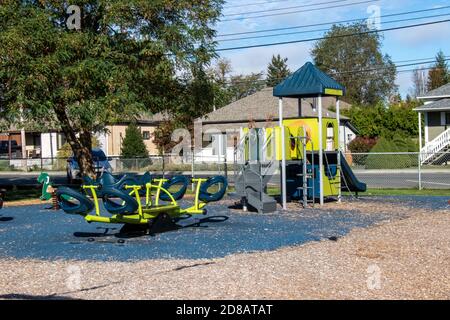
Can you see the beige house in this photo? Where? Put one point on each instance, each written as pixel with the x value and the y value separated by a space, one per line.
pixel 113 139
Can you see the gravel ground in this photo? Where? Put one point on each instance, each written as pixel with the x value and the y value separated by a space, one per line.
pixel 405 255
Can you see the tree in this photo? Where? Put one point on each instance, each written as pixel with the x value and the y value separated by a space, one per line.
pixel 439 75
pixel 218 76
pixel 126 57
pixel 66 151
pixel 277 71
pixel 357 62
pixel 163 136
pixel 419 82
pixel 242 86
pixel 133 145
pixel 385 121
pixel 222 70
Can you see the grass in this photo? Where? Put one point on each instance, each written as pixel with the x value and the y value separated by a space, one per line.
pixel 22 194
pixel 34 193
pixel 405 192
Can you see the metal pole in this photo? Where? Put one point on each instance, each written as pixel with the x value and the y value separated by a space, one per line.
pixel 320 151
pixel 192 169
pixel 9 148
pixel 420 152
pixel 283 155
pixel 338 118
pixel 51 146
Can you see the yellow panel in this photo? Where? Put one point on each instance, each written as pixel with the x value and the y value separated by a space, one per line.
pixel 287 141
pixel 271 143
pixel 311 126
pixel 334 92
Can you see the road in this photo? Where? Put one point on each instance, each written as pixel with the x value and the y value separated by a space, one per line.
pixel 435 179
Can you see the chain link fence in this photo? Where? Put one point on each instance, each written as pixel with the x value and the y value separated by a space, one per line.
pixel 400 170
pixel 162 164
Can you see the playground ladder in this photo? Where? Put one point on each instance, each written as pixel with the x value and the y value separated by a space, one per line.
pixel 305 175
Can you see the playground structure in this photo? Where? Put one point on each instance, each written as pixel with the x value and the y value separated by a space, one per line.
pixel 140 204
pixel 47 188
pixel 311 167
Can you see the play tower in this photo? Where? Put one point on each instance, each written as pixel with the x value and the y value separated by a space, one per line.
pixel 303 152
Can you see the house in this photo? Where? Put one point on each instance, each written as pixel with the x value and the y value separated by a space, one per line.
pixel 436 135
pixel 221 128
pixel 32 143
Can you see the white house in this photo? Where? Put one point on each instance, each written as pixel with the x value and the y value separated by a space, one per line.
pixel 221 128
pixel 435 140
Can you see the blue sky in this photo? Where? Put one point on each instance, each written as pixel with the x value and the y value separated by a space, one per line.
pixel 406 44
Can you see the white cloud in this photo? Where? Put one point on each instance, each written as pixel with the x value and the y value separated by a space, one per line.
pixel 421 35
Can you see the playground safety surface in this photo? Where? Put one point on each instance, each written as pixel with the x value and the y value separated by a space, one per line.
pixel 37 233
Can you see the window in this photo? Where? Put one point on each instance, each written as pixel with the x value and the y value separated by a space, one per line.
pixel 146 135
pixel 219 146
pixel 330 137
pixel 447 118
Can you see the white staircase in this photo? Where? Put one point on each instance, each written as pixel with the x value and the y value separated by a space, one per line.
pixel 437 151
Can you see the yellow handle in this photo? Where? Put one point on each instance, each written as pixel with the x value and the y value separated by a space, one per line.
pixel 94 195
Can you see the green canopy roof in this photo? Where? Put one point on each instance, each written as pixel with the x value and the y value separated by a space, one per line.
pixel 308 81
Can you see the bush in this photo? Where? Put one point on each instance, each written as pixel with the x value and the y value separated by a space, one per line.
pixel 133 147
pixel 385 121
pixel 361 145
pixel 392 161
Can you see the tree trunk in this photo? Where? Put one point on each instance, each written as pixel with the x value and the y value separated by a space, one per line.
pixel 81 145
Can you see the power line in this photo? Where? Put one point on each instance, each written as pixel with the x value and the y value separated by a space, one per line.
pixel 229 81
pixel 331 37
pixel 255 4
pixel 387 67
pixel 331 23
pixel 323 30
pixel 285 8
pixel 300 11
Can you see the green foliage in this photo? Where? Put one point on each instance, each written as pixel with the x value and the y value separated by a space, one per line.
pixel 340 56
pixel 439 75
pixel 127 58
pixel 133 145
pixel 244 85
pixel 382 121
pixel 66 151
pixel 163 136
pixel 392 161
pixel 277 71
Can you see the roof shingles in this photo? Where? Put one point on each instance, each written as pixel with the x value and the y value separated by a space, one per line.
pixel 439 92
pixel 439 105
pixel 262 106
